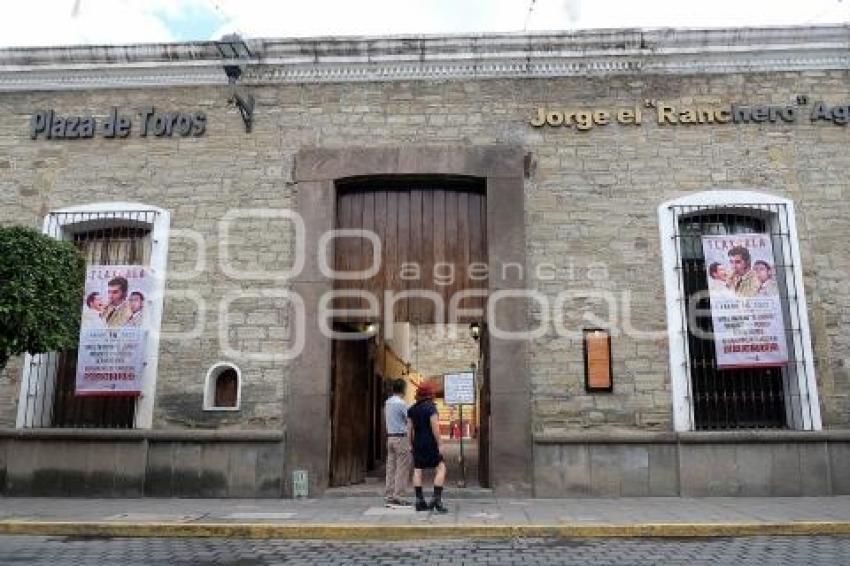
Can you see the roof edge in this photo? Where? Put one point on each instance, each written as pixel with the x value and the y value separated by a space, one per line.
pixel 341 59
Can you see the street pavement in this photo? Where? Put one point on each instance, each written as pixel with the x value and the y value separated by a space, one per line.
pixel 481 530
pixel 370 510
pixel 755 551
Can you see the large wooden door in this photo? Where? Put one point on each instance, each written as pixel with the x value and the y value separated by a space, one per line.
pixel 433 240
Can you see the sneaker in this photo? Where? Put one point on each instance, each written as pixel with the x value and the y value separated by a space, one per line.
pixel 438 507
pixel 421 505
pixel 401 503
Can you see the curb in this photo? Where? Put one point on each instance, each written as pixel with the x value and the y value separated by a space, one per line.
pixel 410 532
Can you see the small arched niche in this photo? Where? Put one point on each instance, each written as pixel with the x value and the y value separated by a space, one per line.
pixel 223 388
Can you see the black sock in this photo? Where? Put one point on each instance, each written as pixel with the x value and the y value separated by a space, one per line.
pixel 438 493
pixel 419 496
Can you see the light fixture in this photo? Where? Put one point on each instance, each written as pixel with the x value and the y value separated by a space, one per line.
pixel 236 55
pixel 475 331
pixel 371 328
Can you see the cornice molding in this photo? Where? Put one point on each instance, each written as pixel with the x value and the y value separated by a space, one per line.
pixel 534 55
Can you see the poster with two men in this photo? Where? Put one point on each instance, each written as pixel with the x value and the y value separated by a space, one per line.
pixel 111 356
pixel 746 307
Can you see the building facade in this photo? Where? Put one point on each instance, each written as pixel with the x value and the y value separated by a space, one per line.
pixel 567 183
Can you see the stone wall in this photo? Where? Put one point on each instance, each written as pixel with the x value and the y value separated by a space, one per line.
pixel 198 180
pixel 591 200
pixel 692 464
pixel 122 463
pixel 436 349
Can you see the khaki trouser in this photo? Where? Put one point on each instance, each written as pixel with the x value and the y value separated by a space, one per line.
pixel 398 466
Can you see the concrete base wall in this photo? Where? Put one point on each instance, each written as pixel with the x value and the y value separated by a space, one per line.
pixel 692 464
pixel 140 463
pixel 251 464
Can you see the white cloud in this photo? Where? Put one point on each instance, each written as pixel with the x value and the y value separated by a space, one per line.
pixel 260 18
pixel 65 22
pixel 50 22
pixel 45 22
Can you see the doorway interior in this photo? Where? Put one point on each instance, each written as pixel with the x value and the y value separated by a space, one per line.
pixel 367 359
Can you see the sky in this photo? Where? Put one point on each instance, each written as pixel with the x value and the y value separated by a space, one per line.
pixel 72 22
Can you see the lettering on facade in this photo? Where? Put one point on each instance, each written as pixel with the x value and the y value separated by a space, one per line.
pixel 668 114
pixel 47 124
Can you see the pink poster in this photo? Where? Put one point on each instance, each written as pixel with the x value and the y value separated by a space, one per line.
pixel 746 308
pixel 112 332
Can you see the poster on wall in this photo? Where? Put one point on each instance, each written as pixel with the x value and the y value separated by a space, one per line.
pixel 113 329
pixel 746 309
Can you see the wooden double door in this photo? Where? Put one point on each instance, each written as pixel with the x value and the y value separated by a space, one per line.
pixel 433 240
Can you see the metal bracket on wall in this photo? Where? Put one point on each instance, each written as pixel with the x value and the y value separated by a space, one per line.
pixel 245 104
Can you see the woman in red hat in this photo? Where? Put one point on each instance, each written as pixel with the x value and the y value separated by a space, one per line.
pixel 423 427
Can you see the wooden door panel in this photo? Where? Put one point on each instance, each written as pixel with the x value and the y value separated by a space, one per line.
pixel 350 412
pixel 436 226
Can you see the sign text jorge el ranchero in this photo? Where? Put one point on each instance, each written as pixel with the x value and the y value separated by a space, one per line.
pixel 48 125
pixel 670 114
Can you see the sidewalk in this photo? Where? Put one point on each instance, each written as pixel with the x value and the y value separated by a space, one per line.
pixel 367 518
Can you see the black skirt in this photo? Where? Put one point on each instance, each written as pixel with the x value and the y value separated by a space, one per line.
pixel 426 456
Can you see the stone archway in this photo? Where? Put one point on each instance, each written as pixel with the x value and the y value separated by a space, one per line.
pixel 317 173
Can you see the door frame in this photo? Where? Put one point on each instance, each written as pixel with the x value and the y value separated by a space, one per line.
pixel 307 407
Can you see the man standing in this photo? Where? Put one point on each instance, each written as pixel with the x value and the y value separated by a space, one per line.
pixel 743 281
pixel 118 311
pixel 398 447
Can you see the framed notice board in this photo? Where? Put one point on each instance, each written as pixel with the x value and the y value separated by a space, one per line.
pixel 598 375
pixel 459 388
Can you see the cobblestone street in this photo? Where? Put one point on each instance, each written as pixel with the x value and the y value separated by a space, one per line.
pixel 761 551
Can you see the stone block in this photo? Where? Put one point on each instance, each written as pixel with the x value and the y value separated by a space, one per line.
pixel 218 475
pixel 548 470
pixel 663 470
pixel 839 463
pixel 308 439
pixel 785 469
pixel 577 472
pixel 218 469
pixel 315 203
pixel 186 469
pixel 814 469
pixel 708 470
pixel 75 467
pixel 753 465
pixel 269 473
pixel 619 470
pixel 159 474
pixel 3 456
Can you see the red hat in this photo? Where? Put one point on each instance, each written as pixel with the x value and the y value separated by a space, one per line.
pixel 425 390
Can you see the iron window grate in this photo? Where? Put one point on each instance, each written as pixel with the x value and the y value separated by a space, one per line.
pixel 116 237
pixel 743 398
